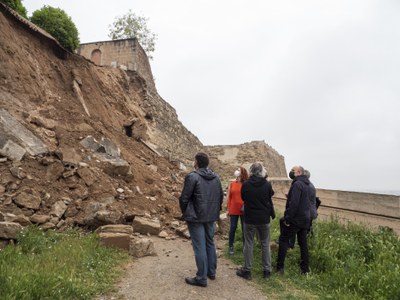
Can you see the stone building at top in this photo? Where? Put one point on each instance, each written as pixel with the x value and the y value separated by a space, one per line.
pixel 126 54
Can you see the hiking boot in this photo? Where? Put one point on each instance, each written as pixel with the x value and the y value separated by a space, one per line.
pixel 231 251
pixel 266 274
pixel 244 274
pixel 212 277
pixel 194 281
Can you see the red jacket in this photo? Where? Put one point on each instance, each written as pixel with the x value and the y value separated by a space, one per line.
pixel 235 201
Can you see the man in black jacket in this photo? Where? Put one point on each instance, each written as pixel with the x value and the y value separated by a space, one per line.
pixel 296 219
pixel 200 203
pixel 258 210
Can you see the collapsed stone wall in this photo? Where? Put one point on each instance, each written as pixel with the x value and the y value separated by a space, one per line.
pixel 225 159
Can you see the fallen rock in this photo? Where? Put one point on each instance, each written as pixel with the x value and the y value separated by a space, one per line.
pixel 144 226
pixel 183 231
pixel 23 220
pixel 39 219
pixel 87 175
pixel 118 228
pixel 141 246
pixel 58 209
pixel 27 200
pixel 54 171
pixel 163 234
pixel 115 239
pixel 10 149
pixel 47 226
pixel 9 230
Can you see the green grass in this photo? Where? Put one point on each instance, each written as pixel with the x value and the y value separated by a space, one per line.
pixel 347 262
pixel 50 265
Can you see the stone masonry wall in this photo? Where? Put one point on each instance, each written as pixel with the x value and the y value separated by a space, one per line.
pixel 126 54
pixel 225 159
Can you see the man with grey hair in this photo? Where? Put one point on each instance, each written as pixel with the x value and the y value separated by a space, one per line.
pixel 258 210
pixel 296 219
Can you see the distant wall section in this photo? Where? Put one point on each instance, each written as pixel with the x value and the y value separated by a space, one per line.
pixel 225 159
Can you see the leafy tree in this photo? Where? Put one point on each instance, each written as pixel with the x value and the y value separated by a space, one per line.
pixel 56 22
pixel 131 25
pixel 17 6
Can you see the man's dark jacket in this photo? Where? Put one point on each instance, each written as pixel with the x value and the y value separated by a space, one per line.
pixel 202 196
pixel 297 210
pixel 257 197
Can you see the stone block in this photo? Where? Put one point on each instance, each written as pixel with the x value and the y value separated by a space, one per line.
pixel 115 239
pixel 90 143
pixel 27 200
pixel 145 226
pixel 9 230
pixel 141 246
pixel 87 175
pixel 22 220
pixel 110 147
pixel 117 228
pixel 39 219
pixel 58 209
pixel 114 166
pixel 10 149
pixel 17 132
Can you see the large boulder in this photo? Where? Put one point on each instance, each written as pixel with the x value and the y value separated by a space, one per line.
pixel 115 239
pixel 9 230
pixel 118 228
pixel 28 200
pixel 145 226
pixel 141 246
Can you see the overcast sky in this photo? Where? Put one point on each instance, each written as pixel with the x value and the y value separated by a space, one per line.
pixel 319 81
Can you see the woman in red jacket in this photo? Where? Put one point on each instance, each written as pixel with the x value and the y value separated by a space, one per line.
pixel 235 204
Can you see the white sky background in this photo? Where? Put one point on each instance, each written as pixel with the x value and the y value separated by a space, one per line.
pixel 318 80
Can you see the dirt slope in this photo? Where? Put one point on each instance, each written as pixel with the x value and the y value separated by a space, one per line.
pixel 37 88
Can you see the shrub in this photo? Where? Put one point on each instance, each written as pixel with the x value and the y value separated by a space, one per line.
pixel 56 22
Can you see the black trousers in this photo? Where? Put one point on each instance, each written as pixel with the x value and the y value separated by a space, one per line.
pixel 287 232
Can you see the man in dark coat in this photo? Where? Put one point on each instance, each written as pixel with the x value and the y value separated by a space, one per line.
pixel 200 203
pixel 296 219
pixel 258 210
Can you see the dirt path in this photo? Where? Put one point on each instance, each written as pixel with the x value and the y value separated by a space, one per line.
pixel 163 276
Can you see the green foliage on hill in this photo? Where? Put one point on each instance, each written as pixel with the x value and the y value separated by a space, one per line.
pixel 57 266
pixel 56 22
pixel 17 6
pixel 347 262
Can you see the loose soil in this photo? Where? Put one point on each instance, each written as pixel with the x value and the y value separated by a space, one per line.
pixel 163 276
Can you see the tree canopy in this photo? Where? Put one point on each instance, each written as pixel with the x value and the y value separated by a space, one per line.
pixel 56 22
pixel 17 6
pixel 131 25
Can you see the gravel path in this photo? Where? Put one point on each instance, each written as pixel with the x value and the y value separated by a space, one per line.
pixel 163 276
